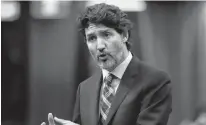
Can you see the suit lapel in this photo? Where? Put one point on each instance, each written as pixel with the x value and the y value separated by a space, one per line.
pixel 94 95
pixel 125 85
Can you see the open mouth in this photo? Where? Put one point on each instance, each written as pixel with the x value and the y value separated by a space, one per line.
pixel 102 57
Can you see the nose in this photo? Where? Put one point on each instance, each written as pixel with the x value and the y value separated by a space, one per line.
pixel 100 44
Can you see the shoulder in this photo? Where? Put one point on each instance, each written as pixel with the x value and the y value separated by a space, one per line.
pixel 154 77
pixel 150 76
pixel 152 72
pixel 92 80
pixel 86 80
pixel 147 71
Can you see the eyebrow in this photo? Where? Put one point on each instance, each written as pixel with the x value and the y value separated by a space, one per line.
pixel 89 35
pixel 101 31
pixel 107 30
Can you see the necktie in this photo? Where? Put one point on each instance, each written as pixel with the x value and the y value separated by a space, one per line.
pixel 106 97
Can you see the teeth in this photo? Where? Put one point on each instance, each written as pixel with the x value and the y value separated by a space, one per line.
pixel 102 55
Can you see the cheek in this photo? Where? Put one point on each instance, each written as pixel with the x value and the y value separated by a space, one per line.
pixel 116 46
pixel 91 48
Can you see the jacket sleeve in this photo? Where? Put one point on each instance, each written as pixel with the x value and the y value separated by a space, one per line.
pixel 76 114
pixel 156 105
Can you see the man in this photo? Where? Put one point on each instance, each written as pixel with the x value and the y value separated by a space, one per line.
pixel 125 91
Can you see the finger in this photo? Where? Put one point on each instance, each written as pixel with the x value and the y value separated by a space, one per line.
pixel 43 123
pixel 60 121
pixel 51 119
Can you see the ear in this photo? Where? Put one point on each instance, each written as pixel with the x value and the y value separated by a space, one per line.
pixel 125 36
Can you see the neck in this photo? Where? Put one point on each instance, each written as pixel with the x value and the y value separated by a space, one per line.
pixel 122 57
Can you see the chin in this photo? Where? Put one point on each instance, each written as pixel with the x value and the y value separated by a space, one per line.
pixel 108 65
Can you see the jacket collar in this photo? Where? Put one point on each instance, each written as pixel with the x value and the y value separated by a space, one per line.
pixel 126 84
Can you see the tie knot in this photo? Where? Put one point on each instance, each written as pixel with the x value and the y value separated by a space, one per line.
pixel 109 78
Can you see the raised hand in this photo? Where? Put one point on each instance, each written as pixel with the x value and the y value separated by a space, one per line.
pixel 64 122
pixel 52 120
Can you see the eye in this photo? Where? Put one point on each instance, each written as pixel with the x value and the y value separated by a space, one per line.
pixel 91 38
pixel 107 34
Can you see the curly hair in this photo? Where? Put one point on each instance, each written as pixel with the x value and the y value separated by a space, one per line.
pixel 108 15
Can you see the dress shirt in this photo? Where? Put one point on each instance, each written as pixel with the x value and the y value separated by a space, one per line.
pixel 118 72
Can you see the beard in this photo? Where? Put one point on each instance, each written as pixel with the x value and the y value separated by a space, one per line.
pixel 108 64
pixel 108 61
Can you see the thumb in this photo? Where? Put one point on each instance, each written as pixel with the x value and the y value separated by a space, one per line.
pixel 60 121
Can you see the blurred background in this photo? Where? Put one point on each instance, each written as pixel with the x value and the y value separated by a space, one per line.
pixel 44 58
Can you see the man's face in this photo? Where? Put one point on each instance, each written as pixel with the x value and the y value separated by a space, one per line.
pixel 106 45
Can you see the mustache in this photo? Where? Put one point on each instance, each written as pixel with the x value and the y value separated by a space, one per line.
pixel 102 54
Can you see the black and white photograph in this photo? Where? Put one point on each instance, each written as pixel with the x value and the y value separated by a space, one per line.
pixel 103 62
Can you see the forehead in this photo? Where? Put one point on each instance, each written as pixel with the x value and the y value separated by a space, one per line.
pixel 95 28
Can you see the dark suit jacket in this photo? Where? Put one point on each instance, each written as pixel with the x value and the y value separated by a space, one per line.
pixel 143 98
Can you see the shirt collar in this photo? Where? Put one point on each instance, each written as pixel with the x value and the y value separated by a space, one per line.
pixel 120 69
